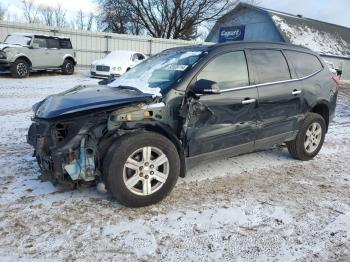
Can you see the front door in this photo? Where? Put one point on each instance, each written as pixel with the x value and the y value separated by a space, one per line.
pixel 39 52
pixel 225 120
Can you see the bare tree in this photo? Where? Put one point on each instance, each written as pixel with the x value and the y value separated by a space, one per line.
pixel 177 19
pixel 30 11
pixel 60 15
pixel 11 16
pixel 80 20
pixel 117 16
pixel 90 21
pixel 47 14
pixel 84 21
pixel 3 11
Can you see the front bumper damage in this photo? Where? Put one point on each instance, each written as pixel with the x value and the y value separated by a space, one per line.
pixel 62 157
pixel 70 151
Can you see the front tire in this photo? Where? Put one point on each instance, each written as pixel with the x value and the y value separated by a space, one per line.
pixel 68 67
pixel 20 69
pixel 141 169
pixel 310 138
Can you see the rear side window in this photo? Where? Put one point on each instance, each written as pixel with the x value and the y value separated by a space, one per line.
pixel 270 65
pixel 53 43
pixel 65 44
pixel 228 70
pixel 304 64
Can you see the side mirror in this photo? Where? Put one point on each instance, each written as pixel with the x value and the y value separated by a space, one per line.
pixel 205 87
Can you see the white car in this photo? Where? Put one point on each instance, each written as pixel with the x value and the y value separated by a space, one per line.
pixel 116 63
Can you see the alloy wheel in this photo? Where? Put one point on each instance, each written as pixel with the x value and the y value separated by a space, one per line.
pixel 146 171
pixel 69 67
pixel 313 137
pixel 22 69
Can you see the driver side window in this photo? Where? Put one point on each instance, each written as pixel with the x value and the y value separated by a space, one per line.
pixel 228 70
pixel 39 42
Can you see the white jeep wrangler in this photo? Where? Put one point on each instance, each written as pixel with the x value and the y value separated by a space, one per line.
pixel 22 53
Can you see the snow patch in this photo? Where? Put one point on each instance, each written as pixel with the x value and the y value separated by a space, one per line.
pixel 318 41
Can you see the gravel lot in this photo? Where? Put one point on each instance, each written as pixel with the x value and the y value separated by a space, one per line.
pixel 263 206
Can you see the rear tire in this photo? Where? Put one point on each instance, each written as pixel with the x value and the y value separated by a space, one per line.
pixel 310 138
pixel 20 69
pixel 140 169
pixel 68 67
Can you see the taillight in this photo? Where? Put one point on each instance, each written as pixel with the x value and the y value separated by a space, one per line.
pixel 336 80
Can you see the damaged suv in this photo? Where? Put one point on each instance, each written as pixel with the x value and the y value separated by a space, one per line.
pixel 139 133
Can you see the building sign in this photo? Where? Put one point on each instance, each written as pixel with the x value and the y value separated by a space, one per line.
pixel 232 33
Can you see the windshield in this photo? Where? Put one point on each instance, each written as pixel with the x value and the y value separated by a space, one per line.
pixel 18 39
pixel 158 73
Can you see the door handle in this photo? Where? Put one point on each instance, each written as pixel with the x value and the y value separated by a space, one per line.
pixel 248 101
pixel 296 92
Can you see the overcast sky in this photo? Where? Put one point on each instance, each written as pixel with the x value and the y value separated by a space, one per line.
pixel 333 11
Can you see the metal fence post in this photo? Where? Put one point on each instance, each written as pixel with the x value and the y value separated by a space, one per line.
pixel 150 46
pixel 107 46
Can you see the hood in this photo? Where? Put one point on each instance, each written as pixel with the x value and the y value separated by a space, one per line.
pixel 3 46
pixel 114 58
pixel 109 62
pixel 83 98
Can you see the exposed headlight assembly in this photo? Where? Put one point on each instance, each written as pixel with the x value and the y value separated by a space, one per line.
pixel 130 114
pixel 135 113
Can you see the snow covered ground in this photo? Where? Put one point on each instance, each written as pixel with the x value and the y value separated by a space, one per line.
pixel 263 206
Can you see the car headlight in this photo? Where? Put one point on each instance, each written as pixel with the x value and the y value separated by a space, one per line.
pixel 136 113
pixel 2 55
pixel 93 67
pixel 119 68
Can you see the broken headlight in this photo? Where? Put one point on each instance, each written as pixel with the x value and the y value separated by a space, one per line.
pixel 135 113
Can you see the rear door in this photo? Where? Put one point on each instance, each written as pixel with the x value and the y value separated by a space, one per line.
pixel 280 98
pixel 54 53
pixel 228 119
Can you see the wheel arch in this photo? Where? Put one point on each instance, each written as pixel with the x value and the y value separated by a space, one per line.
pixel 322 108
pixel 163 130
pixel 168 133
pixel 25 58
pixel 69 57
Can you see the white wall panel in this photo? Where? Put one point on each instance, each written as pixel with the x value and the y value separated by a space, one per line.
pixel 90 46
